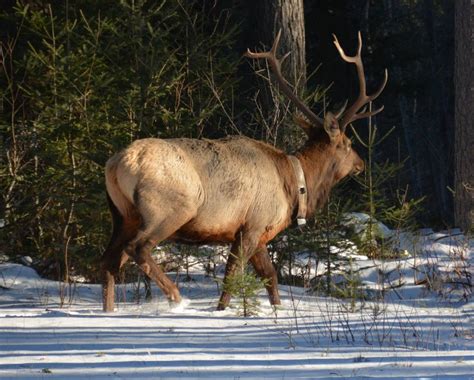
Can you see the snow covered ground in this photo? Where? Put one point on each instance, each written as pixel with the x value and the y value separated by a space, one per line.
pixel 419 330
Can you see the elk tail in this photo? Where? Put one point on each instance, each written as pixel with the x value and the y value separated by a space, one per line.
pixel 115 195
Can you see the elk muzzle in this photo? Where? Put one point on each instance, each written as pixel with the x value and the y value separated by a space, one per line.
pixel 359 166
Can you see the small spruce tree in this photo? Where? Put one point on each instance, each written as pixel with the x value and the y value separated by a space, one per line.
pixel 244 285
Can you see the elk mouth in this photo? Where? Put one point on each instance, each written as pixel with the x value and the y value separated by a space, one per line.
pixel 358 169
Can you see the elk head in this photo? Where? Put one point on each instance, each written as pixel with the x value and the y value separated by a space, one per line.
pixel 327 136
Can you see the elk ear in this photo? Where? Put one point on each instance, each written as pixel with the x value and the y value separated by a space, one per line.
pixel 331 126
pixel 303 124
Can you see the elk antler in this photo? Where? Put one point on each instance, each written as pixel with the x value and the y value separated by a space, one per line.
pixel 275 64
pixel 353 113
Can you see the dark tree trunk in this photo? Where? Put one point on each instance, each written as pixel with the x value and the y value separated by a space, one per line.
pixel 264 20
pixel 267 18
pixel 464 132
pixel 437 124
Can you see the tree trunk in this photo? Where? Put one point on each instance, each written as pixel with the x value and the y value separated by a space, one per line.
pixel 268 17
pixel 464 132
pixel 436 127
pixel 265 19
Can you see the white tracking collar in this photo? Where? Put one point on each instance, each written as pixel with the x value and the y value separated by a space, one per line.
pixel 302 191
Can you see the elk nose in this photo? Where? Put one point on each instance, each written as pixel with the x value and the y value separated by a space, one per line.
pixel 359 167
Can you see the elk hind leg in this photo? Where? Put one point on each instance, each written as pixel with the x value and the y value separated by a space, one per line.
pixel 144 260
pixel 152 233
pixel 124 230
pixel 111 266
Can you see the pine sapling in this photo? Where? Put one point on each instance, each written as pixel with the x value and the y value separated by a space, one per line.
pixel 244 286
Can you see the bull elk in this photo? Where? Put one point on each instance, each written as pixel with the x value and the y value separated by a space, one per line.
pixel 233 190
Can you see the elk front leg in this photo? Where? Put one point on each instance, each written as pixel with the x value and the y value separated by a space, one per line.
pixel 242 249
pixel 229 271
pixel 265 269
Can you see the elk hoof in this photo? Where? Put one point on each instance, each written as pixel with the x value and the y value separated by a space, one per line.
pixel 108 308
pixel 222 305
pixel 180 306
pixel 175 297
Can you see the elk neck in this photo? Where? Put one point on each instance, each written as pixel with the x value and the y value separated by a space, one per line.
pixel 319 165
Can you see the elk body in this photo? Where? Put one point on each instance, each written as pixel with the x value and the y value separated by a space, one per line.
pixel 234 190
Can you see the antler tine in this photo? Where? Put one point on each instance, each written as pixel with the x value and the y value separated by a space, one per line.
pixel 270 55
pixel 276 42
pixel 363 115
pixel 275 64
pixel 352 113
pixel 344 56
pixel 382 86
pixel 339 113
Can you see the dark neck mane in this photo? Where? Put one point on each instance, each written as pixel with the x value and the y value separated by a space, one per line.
pixel 319 167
